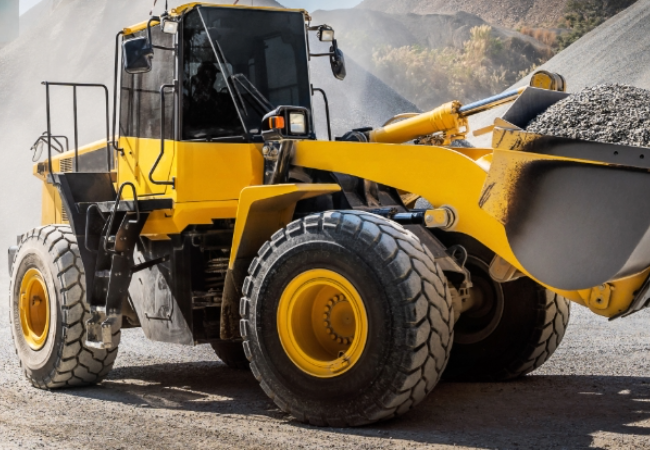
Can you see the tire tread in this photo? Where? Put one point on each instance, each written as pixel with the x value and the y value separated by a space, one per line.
pixel 76 365
pixel 429 305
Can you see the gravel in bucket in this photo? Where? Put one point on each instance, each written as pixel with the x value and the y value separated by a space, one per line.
pixel 611 113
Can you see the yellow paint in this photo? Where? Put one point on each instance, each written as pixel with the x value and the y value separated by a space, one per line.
pixel 444 177
pixel 162 223
pixel 202 171
pixel 207 172
pixel 48 204
pixel 322 323
pixel 548 80
pixel 263 210
pixel 442 119
pixel 511 139
pixel 34 309
pixel 136 161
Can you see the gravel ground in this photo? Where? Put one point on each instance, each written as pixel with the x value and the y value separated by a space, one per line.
pixel 594 393
pixel 616 114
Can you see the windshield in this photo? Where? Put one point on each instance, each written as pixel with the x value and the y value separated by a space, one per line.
pixel 239 64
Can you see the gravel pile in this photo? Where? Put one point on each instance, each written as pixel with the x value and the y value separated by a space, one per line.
pixel 612 113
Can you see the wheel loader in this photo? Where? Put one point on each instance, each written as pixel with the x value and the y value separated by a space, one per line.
pixel 212 214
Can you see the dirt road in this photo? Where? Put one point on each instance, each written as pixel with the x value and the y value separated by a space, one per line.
pixel 595 392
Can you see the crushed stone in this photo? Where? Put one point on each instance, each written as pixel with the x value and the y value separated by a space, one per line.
pixel 611 113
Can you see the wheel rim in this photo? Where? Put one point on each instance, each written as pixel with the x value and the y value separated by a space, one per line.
pixel 484 317
pixel 34 309
pixel 322 323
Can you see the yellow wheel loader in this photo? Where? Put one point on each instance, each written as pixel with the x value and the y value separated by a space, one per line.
pixel 211 214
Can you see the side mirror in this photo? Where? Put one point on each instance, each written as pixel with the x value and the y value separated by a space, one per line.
pixel 137 55
pixel 337 60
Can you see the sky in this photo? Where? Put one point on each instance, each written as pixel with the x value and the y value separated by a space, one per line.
pixel 26 4
pixel 310 5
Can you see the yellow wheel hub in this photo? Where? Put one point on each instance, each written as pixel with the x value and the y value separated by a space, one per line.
pixel 322 323
pixel 34 307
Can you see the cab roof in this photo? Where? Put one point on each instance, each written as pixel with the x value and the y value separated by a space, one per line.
pixel 180 10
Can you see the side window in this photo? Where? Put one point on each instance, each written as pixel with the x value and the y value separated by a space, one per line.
pixel 140 96
pixel 208 109
pixel 282 73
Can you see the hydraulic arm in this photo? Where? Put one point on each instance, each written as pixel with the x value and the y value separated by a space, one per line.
pixel 449 121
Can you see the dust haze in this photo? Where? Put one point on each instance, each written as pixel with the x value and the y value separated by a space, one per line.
pixel 76 42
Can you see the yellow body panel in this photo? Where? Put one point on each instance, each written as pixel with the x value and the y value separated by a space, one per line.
pixel 445 177
pixel 138 159
pixel 163 223
pixel 223 181
pixel 442 176
pixel 208 172
pixel 208 178
pixel 202 171
pixel 265 209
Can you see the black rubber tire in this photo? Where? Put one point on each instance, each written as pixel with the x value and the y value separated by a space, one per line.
pixel 409 318
pixel 64 361
pixel 231 353
pixel 531 327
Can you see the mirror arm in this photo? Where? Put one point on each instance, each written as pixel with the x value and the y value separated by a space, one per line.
pixel 320 55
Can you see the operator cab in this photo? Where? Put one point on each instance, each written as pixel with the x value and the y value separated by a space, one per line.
pixel 226 68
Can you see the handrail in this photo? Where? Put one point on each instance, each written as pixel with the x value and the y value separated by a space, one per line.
pixel 327 110
pixel 74 87
pixel 115 140
pixel 162 138
pixel 116 208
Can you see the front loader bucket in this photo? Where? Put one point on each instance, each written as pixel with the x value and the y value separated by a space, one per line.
pixel 576 213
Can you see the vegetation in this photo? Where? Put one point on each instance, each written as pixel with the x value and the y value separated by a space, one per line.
pixel 484 66
pixel 548 37
pixel 582 16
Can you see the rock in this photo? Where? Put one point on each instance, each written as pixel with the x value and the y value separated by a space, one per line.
pixel 612 113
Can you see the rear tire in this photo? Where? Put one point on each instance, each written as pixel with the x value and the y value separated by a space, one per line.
pixel 231 353
pixel 515 332
pixel 399 343
pixel 60 359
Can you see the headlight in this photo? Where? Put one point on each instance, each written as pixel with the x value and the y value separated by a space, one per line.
pixel 298 124
pixel 170 27
pixel 287 122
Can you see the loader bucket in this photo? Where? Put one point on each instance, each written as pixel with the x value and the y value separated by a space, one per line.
pixel 576 213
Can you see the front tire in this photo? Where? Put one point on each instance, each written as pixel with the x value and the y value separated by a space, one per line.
pixel 49 311
pixel 346 319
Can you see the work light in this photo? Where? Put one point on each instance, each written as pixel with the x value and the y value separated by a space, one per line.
pixel 169 26
pixel 297 123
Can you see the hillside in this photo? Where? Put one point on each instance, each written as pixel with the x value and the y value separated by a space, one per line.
pixel 505 13
pixel 75 42
pixel 618 51
pixel 435 58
